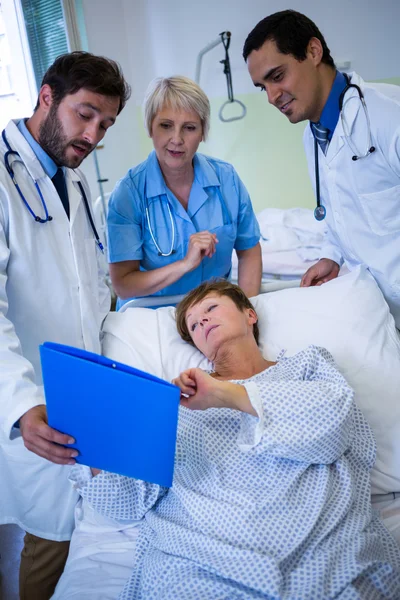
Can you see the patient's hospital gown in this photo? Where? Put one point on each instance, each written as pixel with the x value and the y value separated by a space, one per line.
pixel 273 507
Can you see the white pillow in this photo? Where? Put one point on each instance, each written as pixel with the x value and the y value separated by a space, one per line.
pixel 348 316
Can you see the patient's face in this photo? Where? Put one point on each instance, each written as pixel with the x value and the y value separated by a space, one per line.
pixel 216 321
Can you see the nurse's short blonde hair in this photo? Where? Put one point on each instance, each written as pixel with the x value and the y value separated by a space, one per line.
pixel 179 93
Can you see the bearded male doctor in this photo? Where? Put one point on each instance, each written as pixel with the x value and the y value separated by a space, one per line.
pixel 353 150
pixel 51 288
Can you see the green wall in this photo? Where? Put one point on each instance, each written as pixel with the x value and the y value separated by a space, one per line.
pixel 264 147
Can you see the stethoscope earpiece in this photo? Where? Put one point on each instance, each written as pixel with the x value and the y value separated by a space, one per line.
pixel 172 252
pixel 370 151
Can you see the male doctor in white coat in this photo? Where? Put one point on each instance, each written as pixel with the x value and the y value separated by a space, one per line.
pixel 51 288
pixel 358 164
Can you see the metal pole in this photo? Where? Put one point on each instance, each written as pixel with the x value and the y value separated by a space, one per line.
pixel 200 55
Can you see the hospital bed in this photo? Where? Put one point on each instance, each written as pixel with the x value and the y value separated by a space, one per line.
pixel 348 316
pixel 291 241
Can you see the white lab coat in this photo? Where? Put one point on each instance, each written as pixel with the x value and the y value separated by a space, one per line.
pixel 362 197
pixel 51 289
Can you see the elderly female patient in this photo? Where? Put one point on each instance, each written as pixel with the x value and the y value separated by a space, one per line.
pixel 271 492
pixel 175 219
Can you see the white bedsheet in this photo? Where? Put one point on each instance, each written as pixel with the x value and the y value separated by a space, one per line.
pixel 100 559
pixel 101 555
pixel 290 241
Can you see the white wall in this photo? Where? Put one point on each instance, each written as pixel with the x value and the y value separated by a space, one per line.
pixel 363 31
pixel 107 33
pixel 159 38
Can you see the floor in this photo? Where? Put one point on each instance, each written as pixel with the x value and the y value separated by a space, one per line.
pixel 11 542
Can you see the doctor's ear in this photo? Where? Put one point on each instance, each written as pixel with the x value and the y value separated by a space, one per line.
pixel 45 97
pixel 315 51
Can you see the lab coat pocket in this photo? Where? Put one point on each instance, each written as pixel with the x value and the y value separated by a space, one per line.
pixel 382 210
pixel 17 453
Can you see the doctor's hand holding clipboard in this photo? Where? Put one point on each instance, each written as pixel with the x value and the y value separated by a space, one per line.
pixel 44 440
pixel 123 420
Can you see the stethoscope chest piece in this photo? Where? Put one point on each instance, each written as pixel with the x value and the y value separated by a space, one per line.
pixel 320 212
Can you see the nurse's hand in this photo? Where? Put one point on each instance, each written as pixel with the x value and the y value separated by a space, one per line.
pixel 324 270
pixel 43 440
pixel 201 244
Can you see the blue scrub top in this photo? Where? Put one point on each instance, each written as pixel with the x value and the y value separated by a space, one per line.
pixel 218 203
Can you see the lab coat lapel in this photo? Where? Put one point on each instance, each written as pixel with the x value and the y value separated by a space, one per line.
pixel 74 194
pixel 336 143
pixel 351 107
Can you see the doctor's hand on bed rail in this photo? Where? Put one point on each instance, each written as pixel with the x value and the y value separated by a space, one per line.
pixel 201 245
pixel 200 391
pixel 43 440
pixel 322 272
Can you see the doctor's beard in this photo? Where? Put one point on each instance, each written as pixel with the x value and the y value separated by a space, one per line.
pixel 55 143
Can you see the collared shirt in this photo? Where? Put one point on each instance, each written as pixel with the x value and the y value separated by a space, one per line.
pixel 47 163
pixel 330 114
pixel 218 203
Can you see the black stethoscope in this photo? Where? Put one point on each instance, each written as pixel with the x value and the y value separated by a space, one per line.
pixel 320 210
pixel 10 170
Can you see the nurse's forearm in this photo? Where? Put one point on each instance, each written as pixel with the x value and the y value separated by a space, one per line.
pixel 250 270
pixel 145 283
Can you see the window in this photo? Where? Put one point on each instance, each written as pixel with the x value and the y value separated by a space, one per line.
pixel 46 33
pixel 32 34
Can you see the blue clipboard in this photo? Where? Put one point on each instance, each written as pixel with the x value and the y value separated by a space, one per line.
pixel 123 420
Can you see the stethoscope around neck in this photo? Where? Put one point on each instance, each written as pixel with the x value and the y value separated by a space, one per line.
pixel 172 249
pixel 320 210
pixel 10 153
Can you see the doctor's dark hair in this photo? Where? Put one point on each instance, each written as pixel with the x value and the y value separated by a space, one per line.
pixel 291 31
pixel 221 287
pixel 76 70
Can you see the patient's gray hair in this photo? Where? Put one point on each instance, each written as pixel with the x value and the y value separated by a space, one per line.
pixel 179 93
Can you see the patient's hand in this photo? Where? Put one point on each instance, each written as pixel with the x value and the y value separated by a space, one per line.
pixel 200 391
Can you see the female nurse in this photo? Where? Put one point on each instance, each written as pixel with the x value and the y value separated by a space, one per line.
pixel 175 219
